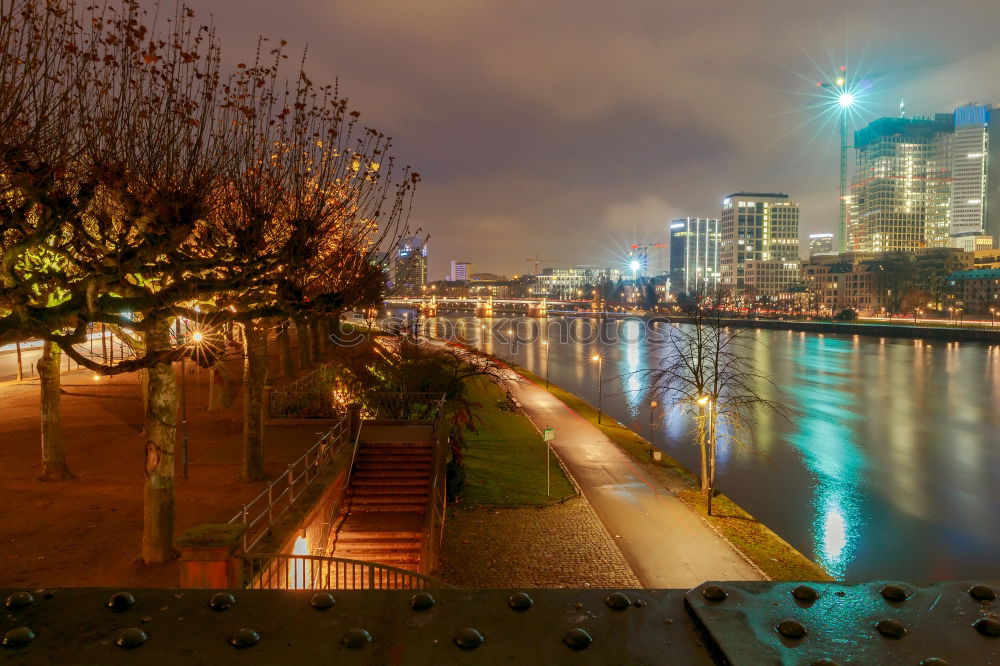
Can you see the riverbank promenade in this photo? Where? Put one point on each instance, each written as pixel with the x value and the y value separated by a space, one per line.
pixel 665 542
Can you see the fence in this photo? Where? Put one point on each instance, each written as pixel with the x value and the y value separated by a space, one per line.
pixel 260 513
pixel 314 572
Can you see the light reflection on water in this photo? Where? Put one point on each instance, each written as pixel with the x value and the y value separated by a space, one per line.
pixel 887 469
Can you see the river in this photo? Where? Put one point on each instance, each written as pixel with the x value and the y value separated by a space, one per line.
pixel 889 466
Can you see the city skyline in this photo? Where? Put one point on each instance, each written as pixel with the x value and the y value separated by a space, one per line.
pixel 616 120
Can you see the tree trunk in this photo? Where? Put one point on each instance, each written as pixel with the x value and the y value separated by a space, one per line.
pixel 53 454
pixel 286 365
pixel 302 339
pixel 254 378
pixel 161 439
pixel 315 334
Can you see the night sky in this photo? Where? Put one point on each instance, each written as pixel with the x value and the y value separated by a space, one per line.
pixel 574 128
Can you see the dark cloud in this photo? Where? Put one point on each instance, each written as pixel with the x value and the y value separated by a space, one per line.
pixel 572 128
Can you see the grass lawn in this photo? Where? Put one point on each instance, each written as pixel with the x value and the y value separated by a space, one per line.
pixel 505 459
pixel 772 554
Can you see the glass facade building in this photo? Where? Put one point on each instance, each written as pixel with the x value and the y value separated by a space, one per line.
pixel 694 255
pixel 901 194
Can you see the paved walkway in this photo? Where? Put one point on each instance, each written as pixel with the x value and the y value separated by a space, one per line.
pixel 666 544
pixel 563 545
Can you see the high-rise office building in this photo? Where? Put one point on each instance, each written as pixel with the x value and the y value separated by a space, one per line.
pixel 820 244
pixel 694 255
pixel 975 184
pixel 901 194
pixel 410 265
pixel 460 271
pixel 758 227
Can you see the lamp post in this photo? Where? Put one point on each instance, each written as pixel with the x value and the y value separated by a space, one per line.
pixel 652 406
pixel 196 338
pixel 993 315
pixel 600 379
pixel 546 345
pixel 710 435
pixel 843 100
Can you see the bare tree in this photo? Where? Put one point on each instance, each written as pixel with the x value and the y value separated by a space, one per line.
pixel 707 372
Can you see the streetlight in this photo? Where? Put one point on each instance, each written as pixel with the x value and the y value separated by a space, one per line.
pixel 702 401
pixel 196 338
pixel 546 345
pixel 600 378
pixel 993 315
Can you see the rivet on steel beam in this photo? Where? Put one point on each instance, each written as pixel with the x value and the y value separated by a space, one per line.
pixel 121 602
pixel 19 600
pixel 244 638
pixel 520 601
pixel 987 626
pixel 934 661
pixel 577 639
pixel 891 628
pixel 130 638
pixel 792 629
pixel 421 601
pixel 469 638
pixel 322 601
pixel 356 638
pixel 895 593
pixel 221 601
pixel 714 593
pixel 805 593
pixel 18 637
pixel 982 593
pixel 618 601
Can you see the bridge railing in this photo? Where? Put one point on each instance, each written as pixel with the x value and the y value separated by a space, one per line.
pixel 315 572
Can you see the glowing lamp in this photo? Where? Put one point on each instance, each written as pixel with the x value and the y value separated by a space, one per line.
pixel 845 100
pixel 197 336
pixel 634 265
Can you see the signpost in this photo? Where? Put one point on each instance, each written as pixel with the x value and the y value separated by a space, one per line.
pixel 548 435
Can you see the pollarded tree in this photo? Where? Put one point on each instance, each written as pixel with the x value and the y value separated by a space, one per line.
pixel 707 371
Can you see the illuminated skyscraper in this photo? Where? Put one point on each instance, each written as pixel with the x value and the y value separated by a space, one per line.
pixel 901 195
pixel 762 228
pixel 694 255
pixel 975 185
pixel 410 265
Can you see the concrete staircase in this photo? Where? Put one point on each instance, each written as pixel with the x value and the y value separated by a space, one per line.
pixel 387 498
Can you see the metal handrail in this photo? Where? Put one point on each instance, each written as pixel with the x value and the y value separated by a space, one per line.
pixel 309 379
pixel 317 572
pixel 304 405
pixel 261 513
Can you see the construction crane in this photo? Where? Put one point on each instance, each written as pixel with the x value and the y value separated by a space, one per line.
pixel 537 261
